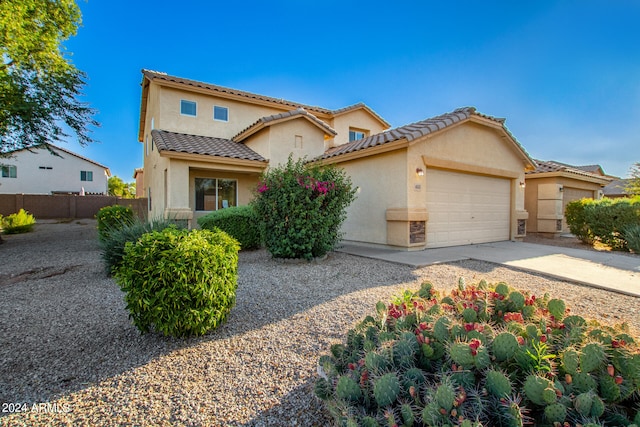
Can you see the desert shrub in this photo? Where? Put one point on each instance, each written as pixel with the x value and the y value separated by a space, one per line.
pixel 179 282
pixel 20 222
pixel 483 355
pixel 301 208
pixel 239 222
pixel 632 235
pixel 603 220
pixel 113 243
pixel 111 218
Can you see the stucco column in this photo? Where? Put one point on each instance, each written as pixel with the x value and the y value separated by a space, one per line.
pixel 177 193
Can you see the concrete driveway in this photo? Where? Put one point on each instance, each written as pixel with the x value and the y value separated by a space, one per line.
pixel 606 270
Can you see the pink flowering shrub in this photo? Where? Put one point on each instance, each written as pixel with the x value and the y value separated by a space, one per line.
pixel 301 208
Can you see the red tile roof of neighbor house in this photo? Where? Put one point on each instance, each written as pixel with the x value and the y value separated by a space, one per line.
pixel 553 166
pixel 617 188
pixel 277 118
pixel 415 130
pixel 156 75
pixel 203 145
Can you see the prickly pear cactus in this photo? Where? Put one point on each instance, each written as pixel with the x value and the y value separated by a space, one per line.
pixel 386 389
pixel 555 413
pixel 348 389
pixel 504 346
pixel 498 384
pixel 557 308
pixel 482 355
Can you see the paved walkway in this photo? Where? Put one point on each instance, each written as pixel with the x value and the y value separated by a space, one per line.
pixel 606 270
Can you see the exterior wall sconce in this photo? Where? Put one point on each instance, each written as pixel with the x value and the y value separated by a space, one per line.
pixel 561 189
pixel 522 184
pixel 419 172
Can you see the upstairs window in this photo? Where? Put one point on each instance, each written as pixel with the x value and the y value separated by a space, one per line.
pixel 188 108
pixel 220 113
pixel 355 135
pixel 86 175
pixel 9 171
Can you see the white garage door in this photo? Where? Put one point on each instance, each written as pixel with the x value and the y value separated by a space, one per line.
pixel 466 209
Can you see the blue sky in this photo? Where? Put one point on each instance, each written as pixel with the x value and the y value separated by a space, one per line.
pixel 565 74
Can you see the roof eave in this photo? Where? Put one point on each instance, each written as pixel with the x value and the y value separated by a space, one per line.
pixel 261 125
pixel 365 107
pixel 252 98
pixel 571 175
pixel 365 152
pixel 245 165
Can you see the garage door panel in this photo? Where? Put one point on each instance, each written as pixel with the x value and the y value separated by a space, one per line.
pixel 466 209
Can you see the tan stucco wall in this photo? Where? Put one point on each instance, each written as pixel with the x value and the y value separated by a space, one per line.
pixel 282 141
pixel 546 198
pixel 241 115
pixel 154 166
pixel 471 148
pixel 382 184
pixel 359 119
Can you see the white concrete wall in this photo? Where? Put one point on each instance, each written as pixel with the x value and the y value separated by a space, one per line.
pixel 63 175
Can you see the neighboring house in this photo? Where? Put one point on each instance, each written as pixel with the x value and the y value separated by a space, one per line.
pixel 552 185
pixel 138 175
pixel 37 171
pixel 617 188
pixel 449 180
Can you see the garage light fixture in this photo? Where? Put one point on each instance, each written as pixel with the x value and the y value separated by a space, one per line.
pixel 522 184
pixel 419 172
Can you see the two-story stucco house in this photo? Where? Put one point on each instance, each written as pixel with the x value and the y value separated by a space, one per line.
pixel 453 179
pixel 38 171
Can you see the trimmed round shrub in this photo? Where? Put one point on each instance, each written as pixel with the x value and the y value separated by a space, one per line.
pixel 111 218
pixel 424 360
pixel 113 243
pixel 20 222
pixel 301 208
pixel 179 282
pixel 240 222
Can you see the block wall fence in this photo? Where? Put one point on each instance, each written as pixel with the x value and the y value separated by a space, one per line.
pixel 65 205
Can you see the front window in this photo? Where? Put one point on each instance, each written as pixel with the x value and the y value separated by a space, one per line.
pixel 188 108
pixel 86 176
pixel 355 135
pixel 220 113
pixel 213 193
pixel 9 171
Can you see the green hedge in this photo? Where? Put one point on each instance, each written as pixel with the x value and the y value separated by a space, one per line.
pixel 603 220
pixel 179 282
pixel 239 222
pixel 111 218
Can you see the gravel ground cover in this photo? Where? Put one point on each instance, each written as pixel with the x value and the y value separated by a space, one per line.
pixel 69 355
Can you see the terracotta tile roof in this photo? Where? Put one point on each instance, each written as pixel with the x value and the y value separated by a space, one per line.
pixel 591 168
pixel 411 131
pixel 276 118
pixel 205 145
pixel 358 106
pixel 553 166
pixel 157 75
pixel 617 187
